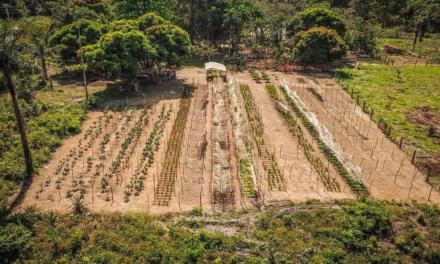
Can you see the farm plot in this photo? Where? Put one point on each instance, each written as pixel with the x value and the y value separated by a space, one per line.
pixel 98 167
pixel 274 176
pixel 222 189
pixel 164 189
pixel 195 159
pixel 248 175
pixel 303 180
pixel 357 143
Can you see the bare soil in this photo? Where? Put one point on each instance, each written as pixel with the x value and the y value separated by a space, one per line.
pixel 387 171
pixel 302 179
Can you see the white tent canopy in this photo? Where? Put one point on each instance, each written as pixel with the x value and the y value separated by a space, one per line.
pixel 215 66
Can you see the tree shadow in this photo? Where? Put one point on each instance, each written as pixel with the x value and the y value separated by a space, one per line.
pixel 118 95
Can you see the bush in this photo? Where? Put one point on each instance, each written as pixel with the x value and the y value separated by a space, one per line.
pixel 364 222
pixel 14 241
pixel 316 17
pixel 318 45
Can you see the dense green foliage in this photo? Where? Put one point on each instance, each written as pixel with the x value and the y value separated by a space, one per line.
pixel 316 17
pixel 318 45
pixel 172 43
pixel 135 45
pixel 66 38
pixel 362 231
pixel 47 123
pixel 120 54
pixel 132 9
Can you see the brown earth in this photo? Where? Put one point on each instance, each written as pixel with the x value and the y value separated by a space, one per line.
pixel 360 139
pixel 387 171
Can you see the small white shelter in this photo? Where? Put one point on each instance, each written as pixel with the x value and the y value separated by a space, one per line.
pixel 215 66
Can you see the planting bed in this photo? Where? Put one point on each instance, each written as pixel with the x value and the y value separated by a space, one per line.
pixel 167 178
pixel 366 154
pixel 222 190
pixel 302 180
pixel 247 171
pixel 273 174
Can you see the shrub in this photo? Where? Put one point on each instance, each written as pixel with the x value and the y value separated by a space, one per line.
pixel 316 17
pixel 14 240
pixel 364 222
pixel 318 45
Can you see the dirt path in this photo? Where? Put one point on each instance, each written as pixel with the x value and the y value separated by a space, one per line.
pixel 386 170
pixel 300 176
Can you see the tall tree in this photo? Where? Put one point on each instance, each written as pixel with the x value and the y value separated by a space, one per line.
pixel 132 9
pixel 121 54
pixel 38 30
pixel 423 14
pixel 236 17
pixel 9 64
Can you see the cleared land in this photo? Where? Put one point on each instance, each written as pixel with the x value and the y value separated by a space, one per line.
pixel 227 146
pixel 384 169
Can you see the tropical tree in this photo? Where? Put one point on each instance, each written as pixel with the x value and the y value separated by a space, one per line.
pixel 361 37
pixel 423 14
pixel 121 54
pixel 316 17
pixel 38 30
pixel 132 9
pixel 125 25
pixel 151 19
pixel 10 64
pixel 70 37
pixel 318 45
pixel 236 16
pixel 205 50
pixel 173 44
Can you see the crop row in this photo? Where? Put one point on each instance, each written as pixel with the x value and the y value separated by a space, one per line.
pixel 167 178
pixel 136 183
pixel 246 168
pixel 330 183
pixel 275 178
pixel 259 75
pixel 357 186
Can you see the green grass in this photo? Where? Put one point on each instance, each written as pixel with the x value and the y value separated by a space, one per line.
pixel 393 91
pixel 358 231
pixel 429 48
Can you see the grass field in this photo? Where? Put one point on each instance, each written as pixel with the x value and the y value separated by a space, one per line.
pixel 393 92
pixel 429 48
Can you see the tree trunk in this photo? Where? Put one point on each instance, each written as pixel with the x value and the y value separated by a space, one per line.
pixel 135 83
pixel 43 64
pixel 422 33
pixel 415 39
pixel 21 126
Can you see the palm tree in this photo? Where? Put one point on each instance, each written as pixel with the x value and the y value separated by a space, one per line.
pixel 9 64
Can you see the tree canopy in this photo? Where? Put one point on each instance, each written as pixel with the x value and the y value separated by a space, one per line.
pixel 318 45
pixel 120 54
pixel 68 38
pixel 316 17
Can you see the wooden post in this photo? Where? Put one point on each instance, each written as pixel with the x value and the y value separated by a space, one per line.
pixel 413 156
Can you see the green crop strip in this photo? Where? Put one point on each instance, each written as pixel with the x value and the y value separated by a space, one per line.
pixel 330 183
pixel 357 187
